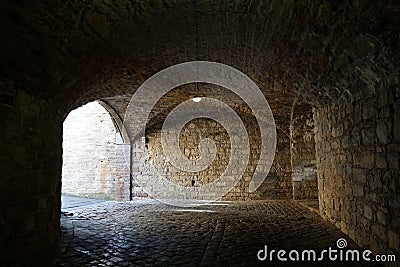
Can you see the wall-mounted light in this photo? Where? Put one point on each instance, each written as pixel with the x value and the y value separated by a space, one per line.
pixel 196 99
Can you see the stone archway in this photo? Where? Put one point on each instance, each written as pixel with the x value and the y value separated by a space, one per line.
pixel 94 164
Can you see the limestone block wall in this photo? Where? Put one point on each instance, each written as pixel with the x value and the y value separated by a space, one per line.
pixel 303 153
pixel 280 175
pixel 30 167
pixel 277 184
pixel 94 163
pixel 190 138
pixel 358 145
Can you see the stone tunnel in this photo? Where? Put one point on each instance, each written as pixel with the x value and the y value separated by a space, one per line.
pixel 329 71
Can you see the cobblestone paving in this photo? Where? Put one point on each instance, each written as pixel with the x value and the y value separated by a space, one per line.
pixel 148 233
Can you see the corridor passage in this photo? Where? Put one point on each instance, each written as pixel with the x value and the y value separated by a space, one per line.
pixel 144 232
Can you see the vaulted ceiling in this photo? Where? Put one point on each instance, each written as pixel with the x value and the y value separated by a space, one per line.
pixel 72 52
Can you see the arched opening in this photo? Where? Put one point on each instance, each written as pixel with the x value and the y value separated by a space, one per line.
pixel 94 163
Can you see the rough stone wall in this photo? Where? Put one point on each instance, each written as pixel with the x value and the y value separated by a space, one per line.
pixel 94 163
pixel 277 184
pixel 358 145
pixel 303 153
pixel 30 166
pixel 190 137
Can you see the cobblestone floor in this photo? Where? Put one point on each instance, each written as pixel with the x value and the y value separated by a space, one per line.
pixel 148 233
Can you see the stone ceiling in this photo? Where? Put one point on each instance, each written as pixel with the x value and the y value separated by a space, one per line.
pixel 73 52
pixel 280 104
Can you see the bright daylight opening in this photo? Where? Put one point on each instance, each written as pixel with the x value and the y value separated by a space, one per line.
pixel 93 158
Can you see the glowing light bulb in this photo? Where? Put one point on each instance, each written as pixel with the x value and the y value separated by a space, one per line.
pixel 196 99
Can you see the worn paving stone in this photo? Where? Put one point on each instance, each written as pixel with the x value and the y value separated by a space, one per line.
pixel 149 233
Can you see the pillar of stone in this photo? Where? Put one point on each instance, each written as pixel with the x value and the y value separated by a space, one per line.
pixel 30 169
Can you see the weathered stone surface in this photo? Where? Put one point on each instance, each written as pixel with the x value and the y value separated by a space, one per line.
pixel 278 184
pixel 134 234
pixel 303 152
pixel 396 123
pixel 373 175
pixel 29 186
pixel 394 240
pixel 382 131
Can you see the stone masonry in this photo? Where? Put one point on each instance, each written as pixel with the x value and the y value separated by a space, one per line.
pixel 145 232
pixel 27 216
pixel 358 145
pixel 277 185
pixel 303 153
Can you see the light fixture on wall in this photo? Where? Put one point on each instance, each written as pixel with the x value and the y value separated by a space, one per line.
pixel 196 99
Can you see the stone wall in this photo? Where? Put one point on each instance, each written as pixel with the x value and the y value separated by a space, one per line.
pixel 358 145
pixel 303 153
pixel 276 186
pixel 30 167
pixel 94 163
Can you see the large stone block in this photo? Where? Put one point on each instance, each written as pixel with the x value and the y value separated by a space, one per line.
pixel 394 240
pixel 382 131
pixel 359 175
pixel 396 123
pixel 364 159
